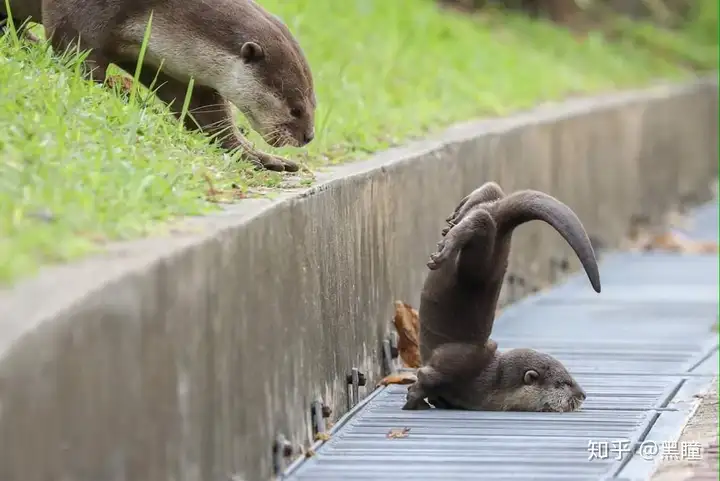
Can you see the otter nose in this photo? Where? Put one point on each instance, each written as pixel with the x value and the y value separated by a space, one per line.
pixel 580 394
pixel 309 136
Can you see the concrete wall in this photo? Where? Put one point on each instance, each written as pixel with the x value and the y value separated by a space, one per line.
pixel 180 358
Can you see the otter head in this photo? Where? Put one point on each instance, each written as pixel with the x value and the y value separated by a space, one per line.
pixel 279 101
pixel 538 382
pixel 263 72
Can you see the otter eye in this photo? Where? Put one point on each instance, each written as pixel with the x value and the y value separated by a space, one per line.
pixel 296 112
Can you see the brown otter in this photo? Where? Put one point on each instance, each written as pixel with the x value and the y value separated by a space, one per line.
pixel 516 380
pixel 234 50
pixel 461 365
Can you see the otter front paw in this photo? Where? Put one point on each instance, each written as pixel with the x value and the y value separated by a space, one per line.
pixel 415 400
pixel 273 162
pixel 416 404
pixel 270 162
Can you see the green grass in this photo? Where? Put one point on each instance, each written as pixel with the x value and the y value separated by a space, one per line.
pixel 80 166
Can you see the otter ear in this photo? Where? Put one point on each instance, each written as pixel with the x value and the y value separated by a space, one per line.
pixel 531 376
pixel 251 52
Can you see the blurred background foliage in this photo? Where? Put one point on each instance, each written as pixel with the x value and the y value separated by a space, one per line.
pixel 671 26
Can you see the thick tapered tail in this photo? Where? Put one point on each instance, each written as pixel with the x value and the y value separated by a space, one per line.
pixel 527 205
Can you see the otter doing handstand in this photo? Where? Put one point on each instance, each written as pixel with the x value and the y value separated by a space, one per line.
pixel 461 366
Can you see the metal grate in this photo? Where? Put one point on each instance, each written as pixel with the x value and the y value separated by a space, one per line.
pixel 632 348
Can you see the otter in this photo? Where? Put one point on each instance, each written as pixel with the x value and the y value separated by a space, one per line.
pixel 462 368
pixel 235 50
pixel 516 380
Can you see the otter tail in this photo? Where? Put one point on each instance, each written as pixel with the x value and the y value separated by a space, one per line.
pixel 527 205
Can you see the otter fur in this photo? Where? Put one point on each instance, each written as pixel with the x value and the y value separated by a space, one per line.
pixel 462 368
pixel 234 50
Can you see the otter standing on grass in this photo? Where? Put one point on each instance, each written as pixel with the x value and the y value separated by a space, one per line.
pixel 234 50
pixel 462 368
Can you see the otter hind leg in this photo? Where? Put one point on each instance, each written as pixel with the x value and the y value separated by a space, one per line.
pixel 488 192
pixel 477 229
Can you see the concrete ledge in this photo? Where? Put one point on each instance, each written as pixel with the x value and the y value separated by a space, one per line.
pixel 182 357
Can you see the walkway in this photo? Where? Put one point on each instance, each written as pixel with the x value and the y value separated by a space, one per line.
pixel 641 349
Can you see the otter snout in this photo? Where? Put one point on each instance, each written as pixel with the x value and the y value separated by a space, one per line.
pixel 288 135
pixel 579 393
pixel 308 137
pixel 577 397
pixel 303 130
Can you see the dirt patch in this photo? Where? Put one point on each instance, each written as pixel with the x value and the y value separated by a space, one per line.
pixel 703 430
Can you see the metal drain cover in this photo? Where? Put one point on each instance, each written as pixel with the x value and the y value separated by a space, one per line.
pixel 634 348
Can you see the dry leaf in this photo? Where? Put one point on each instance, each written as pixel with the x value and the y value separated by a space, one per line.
pixel 322 436
pixel 675 242
pixel 124 83
pixel 398 378
pixel 407 324
pixel 398 433
pixel 220 196
pixel 95 237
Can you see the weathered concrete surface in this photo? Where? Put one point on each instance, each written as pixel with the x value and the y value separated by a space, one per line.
pixel 701 431
pixel 180 358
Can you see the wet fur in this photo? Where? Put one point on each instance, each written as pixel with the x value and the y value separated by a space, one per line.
pixel 462 368
pixel 233 49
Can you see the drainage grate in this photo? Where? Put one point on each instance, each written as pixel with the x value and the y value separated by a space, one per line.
pixel 462 445
pixel 632 348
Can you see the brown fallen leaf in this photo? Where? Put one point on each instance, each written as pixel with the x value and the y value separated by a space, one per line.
pixel 407 325
pixel 676 242
pixel 221 196
pixel 396 433
pixel 398 378
pixel 95 237
pixel 643 237
pixel 123 83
